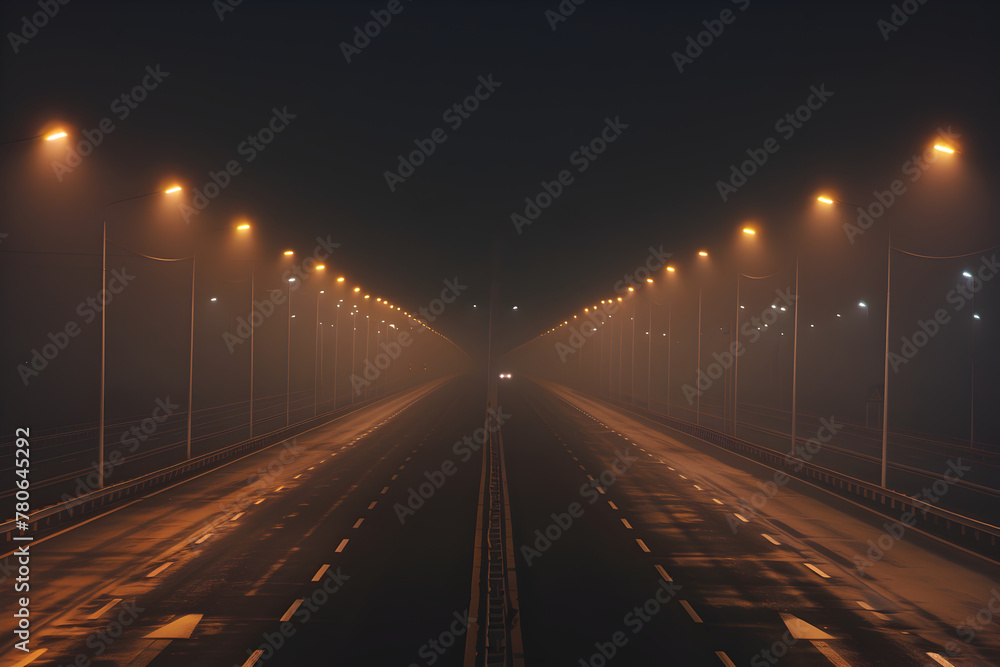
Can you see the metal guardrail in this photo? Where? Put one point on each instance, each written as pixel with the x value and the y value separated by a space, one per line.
pixel 971 534
pixel 74 508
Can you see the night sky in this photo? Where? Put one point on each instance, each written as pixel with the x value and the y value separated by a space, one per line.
pixel 881 94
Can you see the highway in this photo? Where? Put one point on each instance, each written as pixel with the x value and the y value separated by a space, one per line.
pixel 354 546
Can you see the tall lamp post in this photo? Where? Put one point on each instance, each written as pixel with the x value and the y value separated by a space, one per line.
pixel 104 325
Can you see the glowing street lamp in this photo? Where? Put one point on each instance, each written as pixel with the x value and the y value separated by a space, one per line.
pixel 944 149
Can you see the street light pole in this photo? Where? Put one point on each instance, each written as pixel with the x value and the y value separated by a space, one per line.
pixel 795 353
pixel 252 327
pixel 288 357
pixel 698 374
pixel 885 379
pixel 190 414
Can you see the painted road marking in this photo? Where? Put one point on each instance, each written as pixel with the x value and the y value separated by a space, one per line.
pixel 725 659
pixel 260 501
pixel 663 573
pixel 203 538
pixel 741 518
pixel 642 545
pixel 320 572
pixel 717 501
pixel 878 614
pixel 291 610
pixel 384 489
pixel 939 659
pixel 252 660
pixel 359 522
pixel 237 516
pixel 771 540
pixel 626 524
pixel 691 612
pixel 372 506
pixel 100 612
pixel 343 543
pixel 160 569
pixel 613 506
pixel 817 570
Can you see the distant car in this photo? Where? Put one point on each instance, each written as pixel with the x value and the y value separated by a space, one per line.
pixel 505 376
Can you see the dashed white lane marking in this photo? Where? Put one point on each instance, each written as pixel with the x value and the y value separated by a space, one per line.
pixel 691 612
pixel 613 506
pixel 642 545
pixel 237 516
pixel 278 489
pixel 831 655
pixel 401 467
pixel 717 501
pixel 682 477
pixel 407 458
pixel 310 468
pixel 297 476
pixel 320 572
pixel 340 547
pixel 203 538
pixel 663 573
pixel 260 501
pixel 394 477
pixel 581 467
pixel 771 539
pixel 359 522
pixel 575 459
pixel 384 489
pixel 817 570
pixel 626 524
pixel 372 506
pixel 877 614
pixel 741 517
pixel 671 469
pixel 100 612
pixel 698 487
pixel 725 659
pixel 291 610
pixel 252 660
pixel 159 569
pixel 590 477
pixel 941 660
pixel 600 489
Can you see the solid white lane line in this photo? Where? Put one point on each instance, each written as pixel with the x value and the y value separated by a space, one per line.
pixel 291 610
pixel 691 612
pixel 771 540
pixel 642 545
pixel 817 570
pixel 203 538
pixel 252 660
pixel 384 489
pixel 626 524
pixel 359 522
pixel 320 572
pixel 613 506
pixel 237 516
pixel 160 569
pixel 941 660
pixel 372 506
pixel 717 501
pixel 100 612
pixel 663 573
pixel 725 659
pixel 741 517
pixel 343 543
